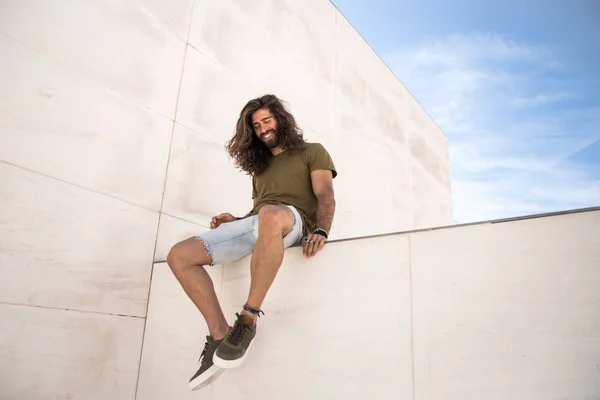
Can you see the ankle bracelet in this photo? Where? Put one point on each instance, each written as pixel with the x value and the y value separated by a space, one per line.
pixel 253 310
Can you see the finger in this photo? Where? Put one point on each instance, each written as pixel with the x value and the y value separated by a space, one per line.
pixel 321 245
pixel 305 243
pixel 311 246
pixel 315 247
pixel 308 247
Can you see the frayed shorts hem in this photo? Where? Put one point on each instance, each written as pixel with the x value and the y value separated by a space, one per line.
pixel 234 240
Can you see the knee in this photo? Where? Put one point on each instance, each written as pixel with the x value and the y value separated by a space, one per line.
pixel 188 254
pixel 271 217
pixel 176 259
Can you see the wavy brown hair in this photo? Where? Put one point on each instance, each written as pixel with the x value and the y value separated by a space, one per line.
pixel 248 152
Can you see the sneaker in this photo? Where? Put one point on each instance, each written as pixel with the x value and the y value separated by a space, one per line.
pixel 208 372
pixel 232 351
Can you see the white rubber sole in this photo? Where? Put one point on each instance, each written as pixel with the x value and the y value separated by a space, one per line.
pixel 208 377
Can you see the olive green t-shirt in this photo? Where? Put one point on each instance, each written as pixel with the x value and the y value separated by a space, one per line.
pixel 287 181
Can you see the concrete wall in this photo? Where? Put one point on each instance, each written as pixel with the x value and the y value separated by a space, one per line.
pixel 101 82
pixel 113 117
pixel 490 311
pixel 508 310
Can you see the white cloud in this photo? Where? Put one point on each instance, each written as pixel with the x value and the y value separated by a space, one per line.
pixel 506 109
pixel 541 99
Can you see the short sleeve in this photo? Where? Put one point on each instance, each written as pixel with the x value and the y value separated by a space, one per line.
pixel 253 187
pixel 319 159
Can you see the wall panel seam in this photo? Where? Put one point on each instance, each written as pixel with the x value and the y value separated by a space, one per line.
pixel 137 382
pixel 412 315
pixel 76 185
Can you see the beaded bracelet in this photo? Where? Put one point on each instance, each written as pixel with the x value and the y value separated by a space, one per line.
pixel 321 232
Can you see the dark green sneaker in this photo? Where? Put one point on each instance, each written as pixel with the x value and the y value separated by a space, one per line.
pixel 208 371
pixel 232 351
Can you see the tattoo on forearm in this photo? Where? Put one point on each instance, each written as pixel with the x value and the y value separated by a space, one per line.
pixel 325 211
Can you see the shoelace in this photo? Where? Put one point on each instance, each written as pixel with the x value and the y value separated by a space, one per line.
pixel 209 341
pixel 239 330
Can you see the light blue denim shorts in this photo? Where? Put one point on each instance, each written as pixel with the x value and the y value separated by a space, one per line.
pixel 234 240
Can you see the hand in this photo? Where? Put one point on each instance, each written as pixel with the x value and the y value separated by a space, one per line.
pixel 219 219
pixel 312 244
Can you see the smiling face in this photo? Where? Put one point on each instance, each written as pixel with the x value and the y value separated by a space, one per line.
pixel 265 128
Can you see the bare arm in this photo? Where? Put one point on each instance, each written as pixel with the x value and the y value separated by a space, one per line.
pixel 322 183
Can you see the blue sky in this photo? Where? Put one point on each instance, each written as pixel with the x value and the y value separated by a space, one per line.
pixel 515 86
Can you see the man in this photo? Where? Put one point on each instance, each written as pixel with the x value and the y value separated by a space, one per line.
pixel 293 203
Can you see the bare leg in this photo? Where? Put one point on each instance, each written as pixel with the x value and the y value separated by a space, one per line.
pixel 187 260
pixel 273 223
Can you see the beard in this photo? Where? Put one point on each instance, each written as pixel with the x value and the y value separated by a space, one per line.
pixel 273 141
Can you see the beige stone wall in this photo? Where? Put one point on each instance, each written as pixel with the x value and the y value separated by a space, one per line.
pixel 113 120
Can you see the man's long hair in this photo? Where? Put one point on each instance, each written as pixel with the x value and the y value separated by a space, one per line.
pixel 248 152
